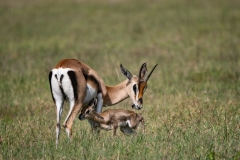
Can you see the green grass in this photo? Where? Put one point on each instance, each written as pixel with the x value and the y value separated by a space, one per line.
pixel 191 107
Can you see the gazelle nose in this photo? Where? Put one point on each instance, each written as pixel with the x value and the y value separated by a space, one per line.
pixel 138 107
pixel 133 105
pixel 81 117
pixel 140 101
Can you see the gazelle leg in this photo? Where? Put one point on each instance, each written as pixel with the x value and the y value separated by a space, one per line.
pixel 99 103
pixel 70 118
pixel 59 106
pixel 58 99
pixel 67 129
pixel 75 96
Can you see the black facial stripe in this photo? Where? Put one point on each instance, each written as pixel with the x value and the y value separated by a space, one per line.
pixel 135 89
pixel 73 79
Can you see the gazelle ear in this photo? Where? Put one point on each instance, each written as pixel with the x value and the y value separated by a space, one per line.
pixel 125 72
pixel 142 72
pixel 151 73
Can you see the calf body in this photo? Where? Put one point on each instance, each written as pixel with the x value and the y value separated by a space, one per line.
pixel 111 119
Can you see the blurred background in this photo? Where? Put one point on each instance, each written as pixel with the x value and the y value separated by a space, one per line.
pixel 195 85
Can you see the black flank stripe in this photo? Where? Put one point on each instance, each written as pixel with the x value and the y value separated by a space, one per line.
pixel 73 79
pixel 50 78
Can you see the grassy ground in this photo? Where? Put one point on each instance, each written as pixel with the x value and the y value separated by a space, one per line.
pixel 191 107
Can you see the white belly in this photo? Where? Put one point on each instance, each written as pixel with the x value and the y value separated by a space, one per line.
pixel 90 94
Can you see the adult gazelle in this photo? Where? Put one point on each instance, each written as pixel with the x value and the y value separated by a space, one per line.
pixel 74 81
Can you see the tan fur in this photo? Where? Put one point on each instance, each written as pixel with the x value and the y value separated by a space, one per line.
pixel 111 119
pixel 111 95
pixel 82 71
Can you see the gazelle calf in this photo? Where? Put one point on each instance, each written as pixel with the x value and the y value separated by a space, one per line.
pixel 111 119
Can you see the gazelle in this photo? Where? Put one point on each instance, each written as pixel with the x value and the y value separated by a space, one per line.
pixel 77 83
pixel 111 119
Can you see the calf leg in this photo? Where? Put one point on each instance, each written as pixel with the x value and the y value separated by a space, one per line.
pixel 114 129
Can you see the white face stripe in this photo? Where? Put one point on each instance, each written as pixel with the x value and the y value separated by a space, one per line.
pixel 135 93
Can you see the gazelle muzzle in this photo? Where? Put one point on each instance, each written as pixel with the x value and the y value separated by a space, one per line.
pixel 139 104
pixel 81 117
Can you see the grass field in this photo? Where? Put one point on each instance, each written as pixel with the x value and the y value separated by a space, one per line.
pixel 191 107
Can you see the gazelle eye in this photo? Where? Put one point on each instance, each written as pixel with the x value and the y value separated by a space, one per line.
pixel 135 88
pixel 87 112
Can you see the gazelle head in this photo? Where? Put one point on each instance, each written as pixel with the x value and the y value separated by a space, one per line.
pixel 137 85
pixel 88 111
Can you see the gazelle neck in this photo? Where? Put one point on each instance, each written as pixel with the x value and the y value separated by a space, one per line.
pixel 116 94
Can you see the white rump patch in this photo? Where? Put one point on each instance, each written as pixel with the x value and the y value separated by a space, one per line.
pixel 65 83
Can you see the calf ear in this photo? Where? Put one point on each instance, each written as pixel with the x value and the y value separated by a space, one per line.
pixel 125 72
pixel 142 72
pixel 92 102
